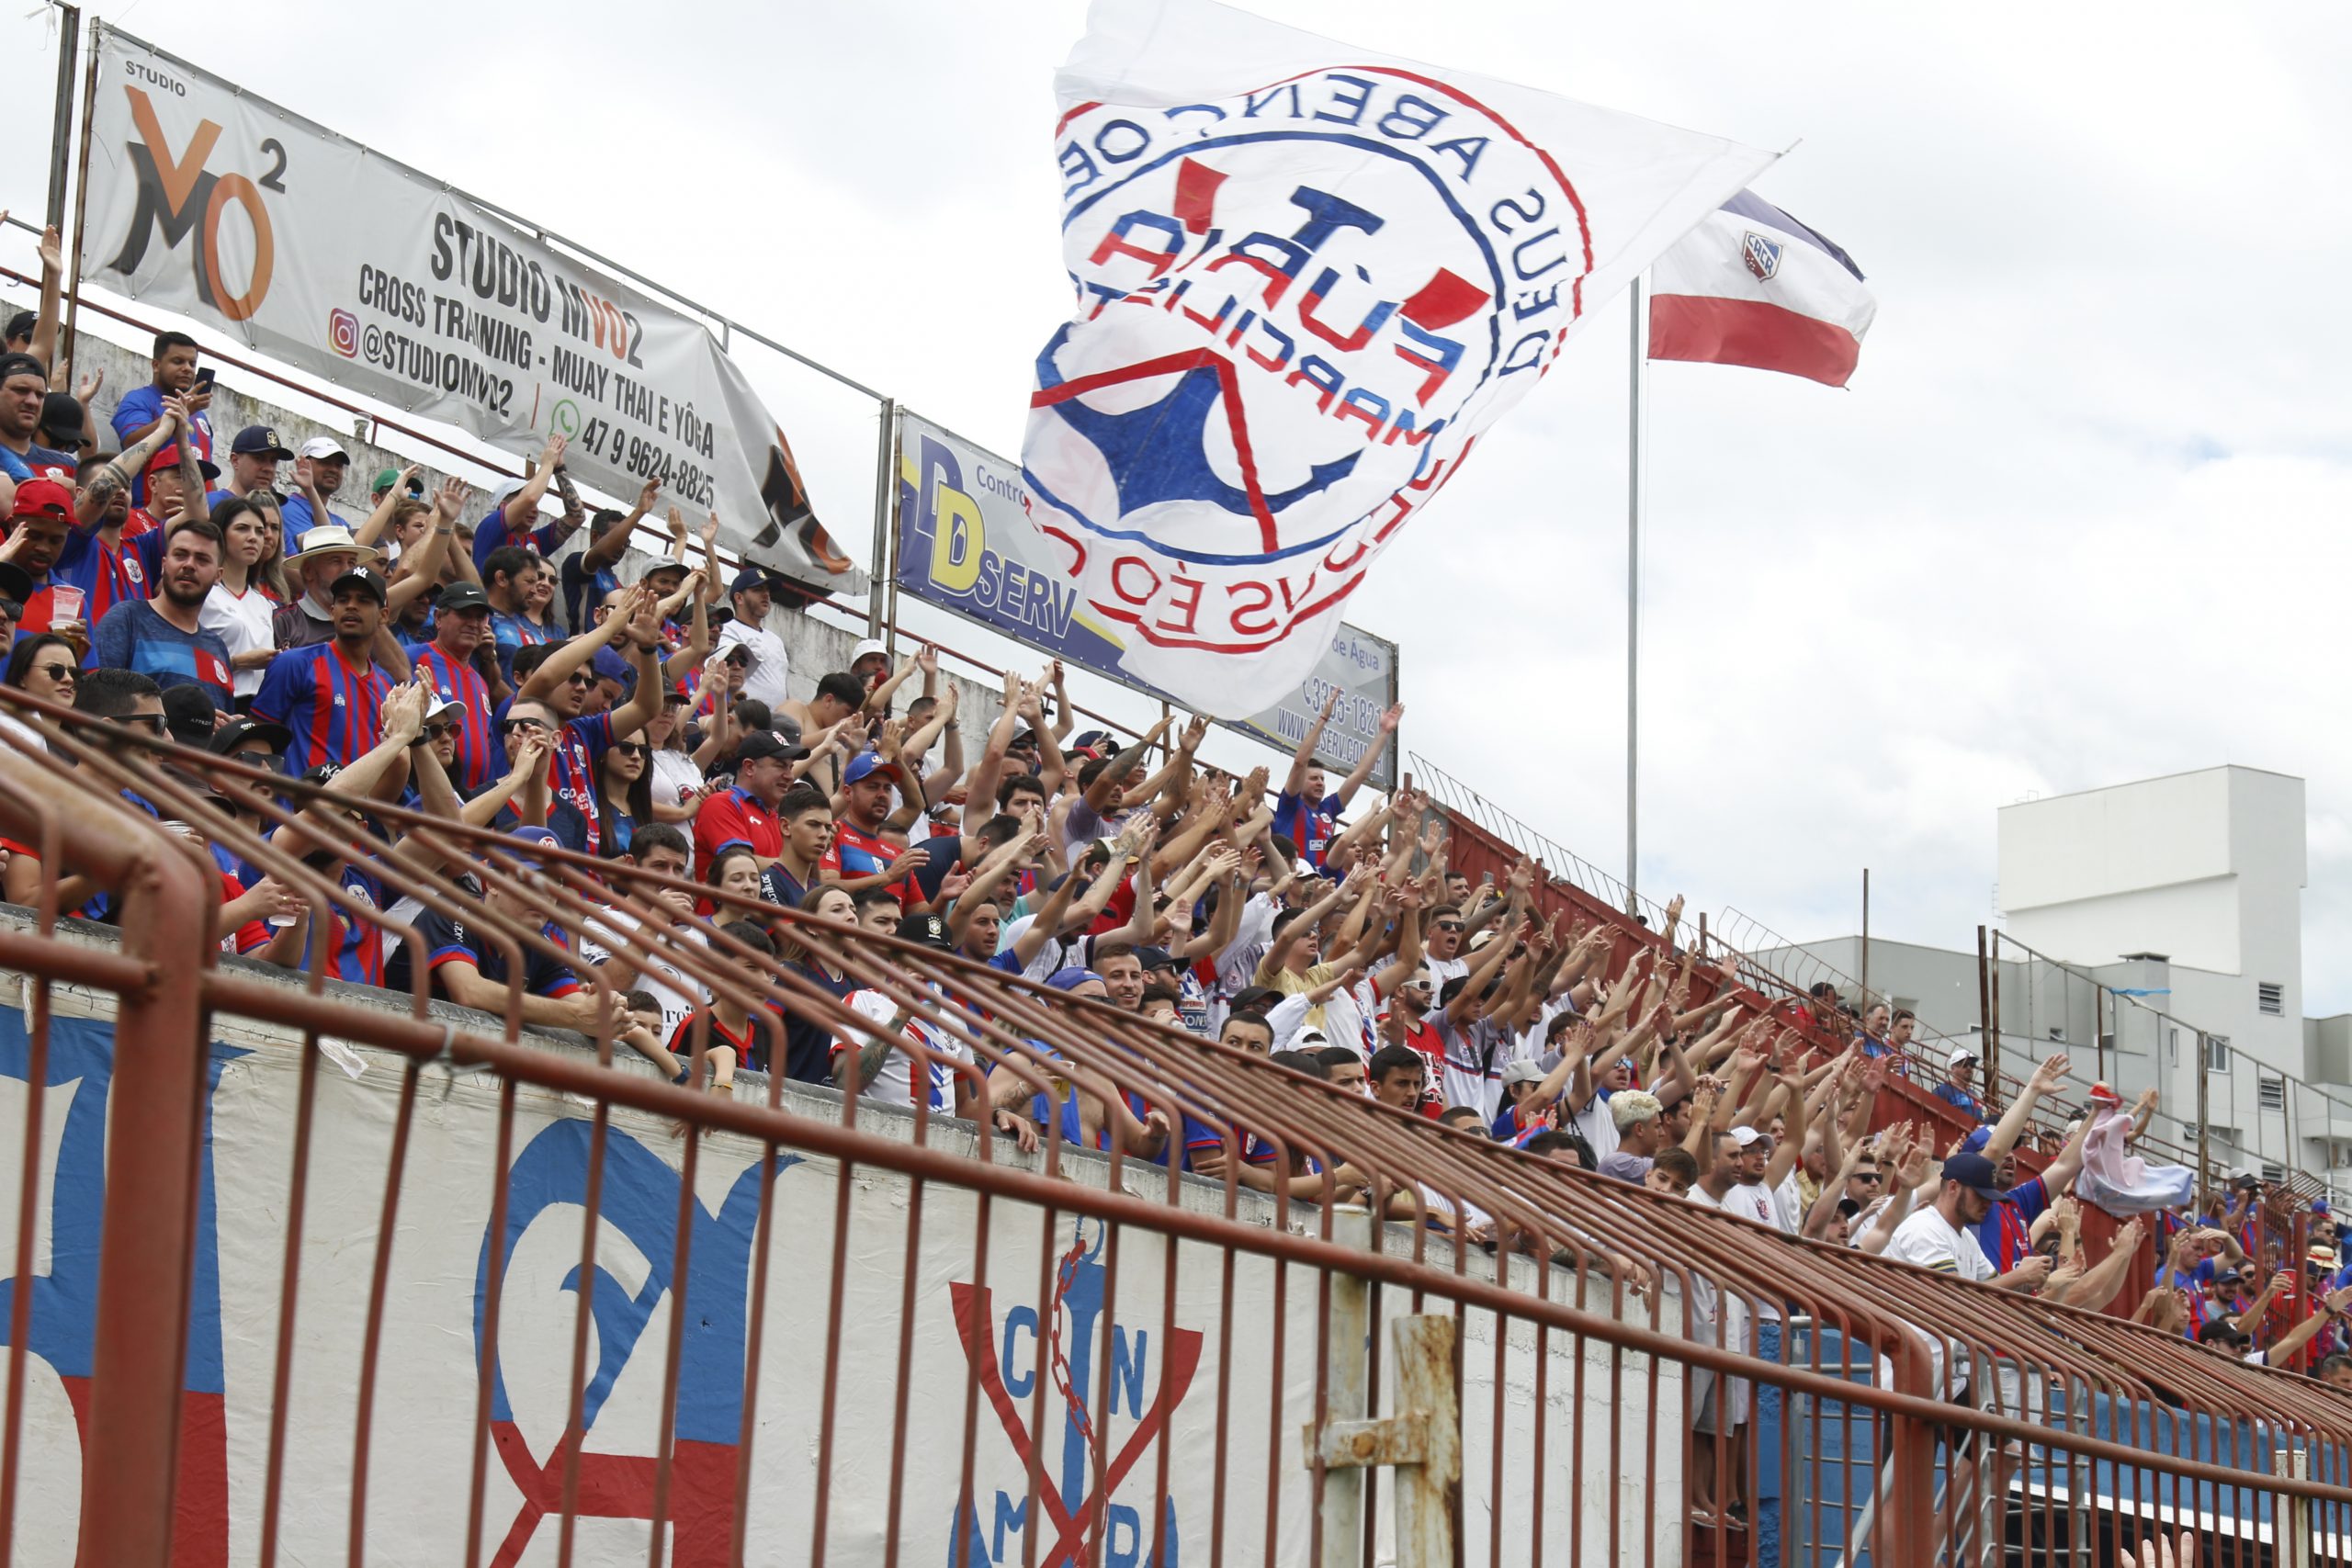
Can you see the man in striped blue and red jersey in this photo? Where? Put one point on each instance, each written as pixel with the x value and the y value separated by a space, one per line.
pixel 329 695
pixel 460 621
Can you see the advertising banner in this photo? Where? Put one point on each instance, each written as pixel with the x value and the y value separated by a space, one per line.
pixel 317 252
pixel 1025 1344
pixel 967 543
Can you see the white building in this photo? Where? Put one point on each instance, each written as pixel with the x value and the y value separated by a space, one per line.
pixel 2183 892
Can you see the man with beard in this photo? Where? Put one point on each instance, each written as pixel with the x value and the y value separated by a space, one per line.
pixel 99 558
pixel 24 394
pixel 162 639
pixel 446 664
pixel 554 696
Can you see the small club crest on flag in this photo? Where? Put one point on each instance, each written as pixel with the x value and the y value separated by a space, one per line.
pixel 1763 255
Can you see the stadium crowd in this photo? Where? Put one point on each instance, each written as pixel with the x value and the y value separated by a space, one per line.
pixel 454 656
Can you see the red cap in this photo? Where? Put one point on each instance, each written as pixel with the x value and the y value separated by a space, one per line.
pixel 2099 1092
pixel 43 498
pixel 169 458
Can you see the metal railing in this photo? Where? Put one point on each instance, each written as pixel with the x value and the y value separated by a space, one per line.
pixel 952 1306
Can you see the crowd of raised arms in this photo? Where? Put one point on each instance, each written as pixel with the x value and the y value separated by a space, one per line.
pixel 409 649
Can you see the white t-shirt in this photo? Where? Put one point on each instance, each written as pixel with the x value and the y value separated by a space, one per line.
pixel 765 681
pixel 1236 964
pixel 241 620
pixel 1926 1238
pixel 893 1083
pixel 678 992
pixel 1598 1127
pixel 674 773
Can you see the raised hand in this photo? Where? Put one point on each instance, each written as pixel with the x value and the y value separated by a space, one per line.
pixel 927 659
pixel 530 754
pixel 677 521
pixel 2155 1551
pixel 1391 718
pixel 402 712
pixel 907 865
pixel 2051 1073
pixel 1195 729
pixel 551 455
pixel 449 499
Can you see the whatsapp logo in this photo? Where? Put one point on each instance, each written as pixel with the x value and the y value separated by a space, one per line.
pixel 565 419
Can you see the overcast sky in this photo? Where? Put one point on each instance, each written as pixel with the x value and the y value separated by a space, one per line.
pixel 2079 520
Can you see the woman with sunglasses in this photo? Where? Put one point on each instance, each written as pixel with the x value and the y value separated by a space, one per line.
pixel 44 664
pixel 677 778
pixel 624 793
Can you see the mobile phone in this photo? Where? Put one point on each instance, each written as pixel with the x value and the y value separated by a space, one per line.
pixel 204 376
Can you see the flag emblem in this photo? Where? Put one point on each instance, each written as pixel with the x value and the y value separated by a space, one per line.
pixel 1763 255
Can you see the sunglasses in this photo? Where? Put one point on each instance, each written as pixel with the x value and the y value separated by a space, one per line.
pixel 1448 925
pixel 1868 1176
pixel 632 749
pixel 439 731
pixel 581 678
pixel 267 759
pixel 151 722
pixel 511 725
pixel 58 671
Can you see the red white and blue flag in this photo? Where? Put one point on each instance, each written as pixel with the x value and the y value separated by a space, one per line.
pixel 1309 278
pixel 1752 285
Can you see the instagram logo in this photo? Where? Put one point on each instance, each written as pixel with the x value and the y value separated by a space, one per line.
pixel 343 332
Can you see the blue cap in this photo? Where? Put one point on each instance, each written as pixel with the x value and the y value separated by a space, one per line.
pixel 860 765
pixel 751 577
pixel 1072 979
pixel 610 666
pixel 543 837
pixel 1974 1143
pixel 1975 1173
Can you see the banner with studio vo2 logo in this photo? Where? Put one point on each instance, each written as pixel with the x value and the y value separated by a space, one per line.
pixel 314 249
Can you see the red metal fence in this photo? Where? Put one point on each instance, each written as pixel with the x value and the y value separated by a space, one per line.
pixel 906 1313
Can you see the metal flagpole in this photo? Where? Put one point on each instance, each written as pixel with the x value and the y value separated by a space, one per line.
pixel 61 130
pixel 1637 386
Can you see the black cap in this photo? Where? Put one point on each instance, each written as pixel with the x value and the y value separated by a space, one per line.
pixel 362 575
pixel 188 712
pixel 261 441
pixel 21 365
pixel 22 323
pixel 237 731
pixel 321 774
pixel 15 582
pixel 456 596
pixel 929 930
pixel 61 415
pixel 1154 958
pixel 762 743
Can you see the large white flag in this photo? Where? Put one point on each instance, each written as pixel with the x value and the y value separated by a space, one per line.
pixel 1310 277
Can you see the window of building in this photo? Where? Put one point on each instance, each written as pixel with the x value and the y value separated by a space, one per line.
pixel 2273 1092
pixel 2217 1053
pixel 2172 1045
pixel 2271 997
pixel 2272 1173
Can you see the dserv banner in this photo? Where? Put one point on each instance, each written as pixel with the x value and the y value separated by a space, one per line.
pixel 1308 279
pixel 1105 1390
pixel 967 543
pixel 316 251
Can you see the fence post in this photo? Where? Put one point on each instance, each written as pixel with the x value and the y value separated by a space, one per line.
pixel 2293 1514
pixel 885 487
pixel 1422 1441
pixel 130 1459
pixel 1346 1398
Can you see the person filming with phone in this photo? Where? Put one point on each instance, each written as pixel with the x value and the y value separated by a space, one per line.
pixel 175 374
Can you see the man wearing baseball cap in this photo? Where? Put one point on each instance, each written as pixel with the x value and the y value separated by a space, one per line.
pixel 320 464
pixel 24 392
pixel 752 595
pixel 43 513
pixel 1957 1089
pixel 99 558
pixel 254 458
pixel 1942 1235
pixel 860 857
pixel 329 694
pixel 460 622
